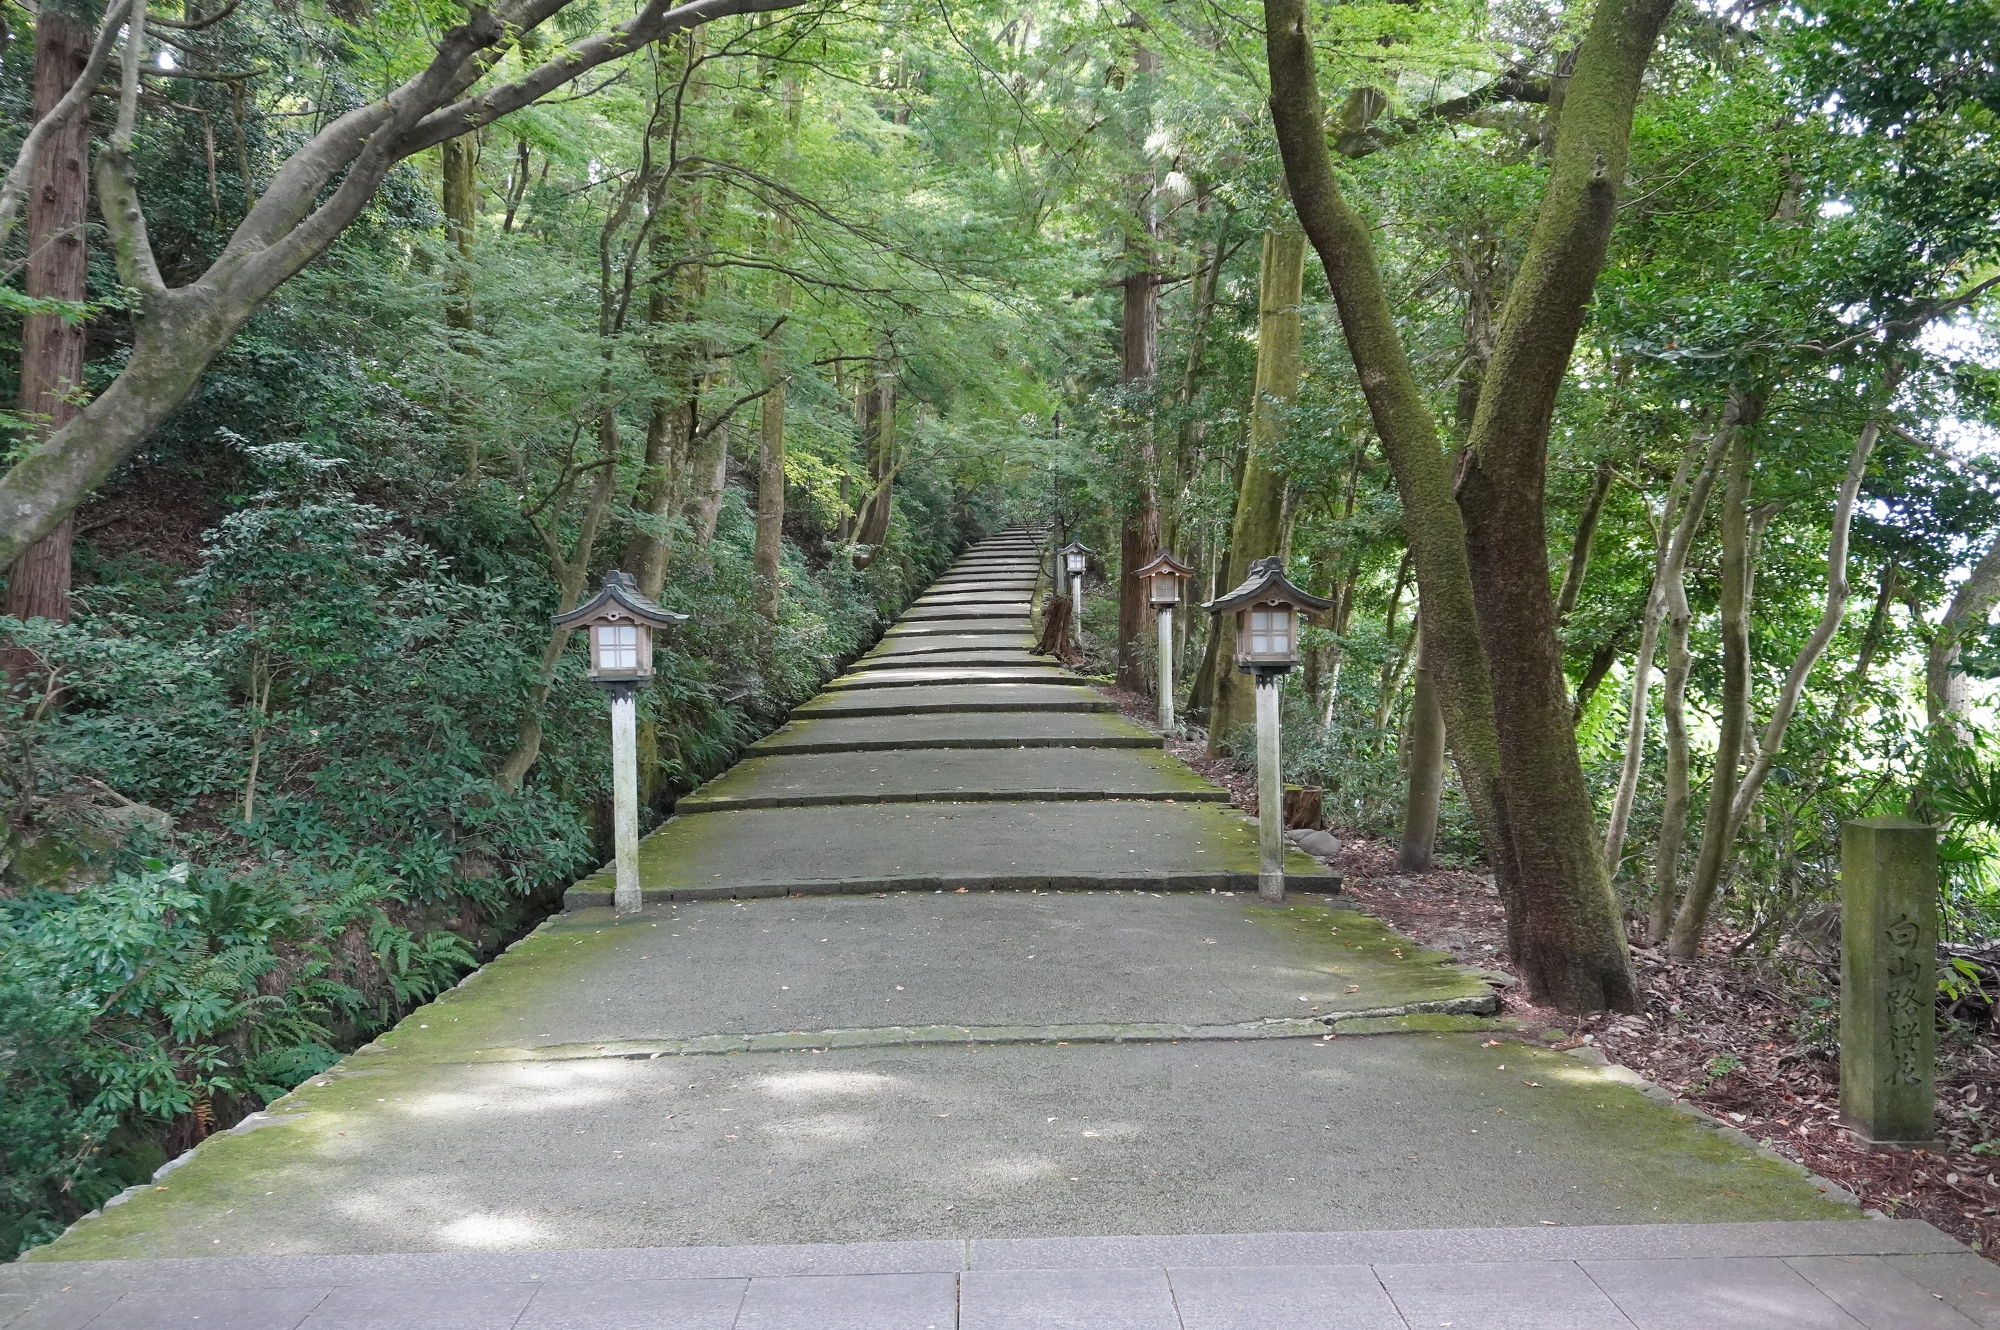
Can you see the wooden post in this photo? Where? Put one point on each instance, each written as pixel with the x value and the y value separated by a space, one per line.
pixel 1166 669
pixel 1270 794
pixel 625 798
pixel 1076 603
pixel 1888 981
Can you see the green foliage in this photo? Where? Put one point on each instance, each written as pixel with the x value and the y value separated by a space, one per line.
pixel 163 993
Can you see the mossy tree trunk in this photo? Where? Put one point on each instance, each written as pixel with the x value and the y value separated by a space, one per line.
pixel 1423 760
pixel 1255 528
pixel 1482 560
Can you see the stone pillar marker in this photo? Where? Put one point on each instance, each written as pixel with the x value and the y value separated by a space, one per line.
pixel 1888 980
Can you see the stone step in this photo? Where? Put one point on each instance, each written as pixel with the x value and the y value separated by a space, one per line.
pixel 993 658
pixel 996 582
pixel 875 675
pixel 954 730
pixel 803 780
pixel 1017 626
pixel 1014 846
pixel 927 644
pixel 1018 600
pixel 935 699
pixel 922 613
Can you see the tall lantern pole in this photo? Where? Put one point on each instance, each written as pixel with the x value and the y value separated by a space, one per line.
pixel 1163 577
pixel 1269 611
pixel 620 622
pixel 1076 558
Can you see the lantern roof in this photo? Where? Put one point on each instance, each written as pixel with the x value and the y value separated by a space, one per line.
pixel 1164 562
pixel 619 598
pixel 1076 547
pixel 1267 584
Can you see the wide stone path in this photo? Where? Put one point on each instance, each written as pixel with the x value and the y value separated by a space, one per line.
pixel 952 976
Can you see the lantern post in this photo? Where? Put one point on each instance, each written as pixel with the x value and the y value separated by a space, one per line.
pixel 1076 557
pixel 621 623
pixel 1269 612
pixel 1163 577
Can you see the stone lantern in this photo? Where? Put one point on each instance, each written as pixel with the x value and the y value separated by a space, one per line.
pixel 1269 612
pixel 621 623
pixel 1075 558
pixel 1163 577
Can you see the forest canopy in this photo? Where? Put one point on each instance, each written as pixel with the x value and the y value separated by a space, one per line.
pixel 1625 372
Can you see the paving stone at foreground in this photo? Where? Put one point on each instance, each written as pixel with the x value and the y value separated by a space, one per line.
pixel 987 1141
pixel 920 846
pixel 954 773
pixel 862 734
pixel 1052 694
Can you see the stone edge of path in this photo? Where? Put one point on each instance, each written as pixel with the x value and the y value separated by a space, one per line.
pixel 595 891
pixel 1782 1238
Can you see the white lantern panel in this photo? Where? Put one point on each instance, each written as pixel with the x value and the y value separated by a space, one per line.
pixel 618 648
pixel 1271 632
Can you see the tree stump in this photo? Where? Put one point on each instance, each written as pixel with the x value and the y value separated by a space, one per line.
pixel 1058 637
pixel 1305 807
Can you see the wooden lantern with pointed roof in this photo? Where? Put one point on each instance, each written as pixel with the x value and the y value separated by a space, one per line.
pixel 1268 608
pixel 621 624
pixel 1163 577
pixel 1076 557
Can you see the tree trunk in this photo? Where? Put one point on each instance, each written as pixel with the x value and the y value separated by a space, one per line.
pixel 876 407
pixel 1255 529
pixel 1674 797
pixel 768 555
pixel 1139 528
pixel 711 477
pixel 1578 566
pixel 1692 920
pixel 674 294
pixel 1677 529
pixel 38 583
pixel 1945 694
pixel 1505 699
pixel 1423 756
pixel 1735 634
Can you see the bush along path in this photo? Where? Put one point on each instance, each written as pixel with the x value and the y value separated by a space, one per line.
pixel 960 969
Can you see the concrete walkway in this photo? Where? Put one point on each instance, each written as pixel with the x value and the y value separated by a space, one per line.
pixel 923 1001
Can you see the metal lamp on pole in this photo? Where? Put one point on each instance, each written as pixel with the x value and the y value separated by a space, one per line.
pixel 621 623
pixel 1269 611
pixel 1163 577
pixel 1076 557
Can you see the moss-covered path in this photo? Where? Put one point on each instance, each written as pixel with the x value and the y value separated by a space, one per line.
pixel 982 967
